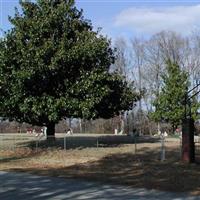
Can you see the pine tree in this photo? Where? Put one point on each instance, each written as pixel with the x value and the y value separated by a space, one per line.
pixel 170 104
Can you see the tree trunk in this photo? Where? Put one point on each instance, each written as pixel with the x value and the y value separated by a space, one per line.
pixel 150 128
pixel 121 121
pixel 173 128
pixel 70 122
pixel 188 148
pixel 80 125
pixel 51 131
pixel 158 127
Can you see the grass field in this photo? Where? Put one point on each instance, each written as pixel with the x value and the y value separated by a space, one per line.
pixel 118 164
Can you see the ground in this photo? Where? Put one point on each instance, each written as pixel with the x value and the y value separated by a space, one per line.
pixel 26 186
pixel 116 164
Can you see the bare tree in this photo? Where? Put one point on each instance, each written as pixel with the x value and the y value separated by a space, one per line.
pixel 138 50
pixel 150 57
pixel 122 66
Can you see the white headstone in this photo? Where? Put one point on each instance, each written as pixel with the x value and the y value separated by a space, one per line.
pixel 165 134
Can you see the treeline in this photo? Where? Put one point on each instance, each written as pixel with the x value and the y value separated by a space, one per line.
pixel 99 126
pixel 162 68
pixel 144 63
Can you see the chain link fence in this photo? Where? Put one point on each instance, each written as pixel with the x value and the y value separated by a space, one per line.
pixel 63 141
pixel 13 142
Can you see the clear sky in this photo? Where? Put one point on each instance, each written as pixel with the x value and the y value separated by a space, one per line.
pixel 129 18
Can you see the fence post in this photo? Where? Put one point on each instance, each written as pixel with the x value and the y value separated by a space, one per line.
pixel 65 143
pixel 14 142
pixel 180 137
pixel 135 142
pixel 36 145
pixel 1 141
pixel 97 142
pixel 162 147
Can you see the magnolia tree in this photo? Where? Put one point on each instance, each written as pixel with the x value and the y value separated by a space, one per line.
pixel 54 65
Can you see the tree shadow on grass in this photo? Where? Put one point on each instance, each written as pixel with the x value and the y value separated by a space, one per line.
pixel 32 149
pixel 80 142
pixel 19 154
pixel 143 170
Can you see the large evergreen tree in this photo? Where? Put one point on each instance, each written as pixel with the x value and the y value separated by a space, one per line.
pixel 53 65
pixel 170 104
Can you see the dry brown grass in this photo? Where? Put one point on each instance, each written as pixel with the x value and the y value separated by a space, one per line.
pixel 118 165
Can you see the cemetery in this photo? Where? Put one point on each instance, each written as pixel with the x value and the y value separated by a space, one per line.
pixel 115 159
pixel 119 164
pixel 79 104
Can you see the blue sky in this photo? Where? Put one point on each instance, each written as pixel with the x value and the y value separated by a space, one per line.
pixel 129 18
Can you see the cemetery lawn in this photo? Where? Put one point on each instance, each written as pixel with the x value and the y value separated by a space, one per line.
pixel 116 165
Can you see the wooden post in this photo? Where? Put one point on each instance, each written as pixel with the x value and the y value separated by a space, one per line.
pixel 188 150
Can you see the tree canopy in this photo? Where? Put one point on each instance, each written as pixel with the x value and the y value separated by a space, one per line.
pixel 170 104
pixel 54 65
